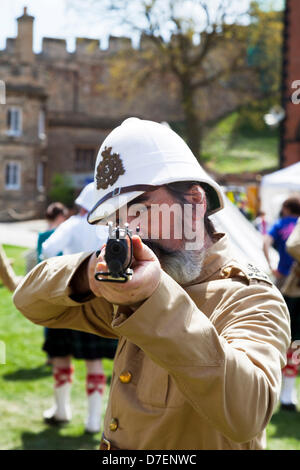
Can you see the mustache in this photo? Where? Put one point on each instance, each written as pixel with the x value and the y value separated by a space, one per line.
pixel 158 250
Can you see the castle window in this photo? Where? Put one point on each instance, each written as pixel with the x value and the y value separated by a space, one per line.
pixel 84 159
pixel 2 92
pixel 14 121
pixel 12 175
pixel 41 125
pixel 40 183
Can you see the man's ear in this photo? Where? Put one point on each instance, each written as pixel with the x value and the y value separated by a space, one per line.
pixel 196 196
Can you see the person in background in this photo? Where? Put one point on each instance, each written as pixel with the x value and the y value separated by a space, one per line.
pixel 56 213
pixel 73 236
pixel 291 292
pixel 277 236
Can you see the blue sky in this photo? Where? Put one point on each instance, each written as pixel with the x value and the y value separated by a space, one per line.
pixel 52 19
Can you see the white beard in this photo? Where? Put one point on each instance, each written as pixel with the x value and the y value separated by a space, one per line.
pixel 183 266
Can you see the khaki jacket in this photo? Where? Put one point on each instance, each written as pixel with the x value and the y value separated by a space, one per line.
pixel 195 368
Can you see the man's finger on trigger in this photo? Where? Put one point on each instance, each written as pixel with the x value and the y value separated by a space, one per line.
pixel 101 266
pixel 141 252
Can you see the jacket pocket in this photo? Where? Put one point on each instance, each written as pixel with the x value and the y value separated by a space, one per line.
pixel 152 387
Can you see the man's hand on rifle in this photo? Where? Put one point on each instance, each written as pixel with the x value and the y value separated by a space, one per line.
pixel 145 279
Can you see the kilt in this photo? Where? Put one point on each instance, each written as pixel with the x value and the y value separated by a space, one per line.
pixel 293 304
pixel 80 345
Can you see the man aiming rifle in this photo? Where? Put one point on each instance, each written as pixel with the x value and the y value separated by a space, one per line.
pixel 202 337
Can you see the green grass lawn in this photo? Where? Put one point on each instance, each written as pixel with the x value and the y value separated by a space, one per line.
pixel 26 386
pixel 226 151
pixel 26 389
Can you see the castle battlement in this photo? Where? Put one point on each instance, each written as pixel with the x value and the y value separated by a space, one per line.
pixel 117 44
pixel 55 48
pixel 87 46
pixel 10 46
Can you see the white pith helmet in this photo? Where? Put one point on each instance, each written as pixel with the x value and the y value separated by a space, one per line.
pixel 139 155
pixel 86 197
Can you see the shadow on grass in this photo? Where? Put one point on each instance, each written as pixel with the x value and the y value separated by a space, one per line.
pixel 52 439
pixel 37 373
pixel 287 424
pixel 29 374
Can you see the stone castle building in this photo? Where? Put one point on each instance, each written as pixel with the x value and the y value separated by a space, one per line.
pixel 290 135
pixel 57 113
pixel 59 107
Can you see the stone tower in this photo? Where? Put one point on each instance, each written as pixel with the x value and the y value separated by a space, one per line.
pixel 24 40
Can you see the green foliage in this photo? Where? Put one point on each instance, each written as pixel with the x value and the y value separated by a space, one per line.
pixel 250 120
pixel 238 144
pixel 265 40
pixel 62 189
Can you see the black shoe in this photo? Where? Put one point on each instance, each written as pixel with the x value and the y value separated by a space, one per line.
pixel 55 422
pixel 88 431
pixel 288 407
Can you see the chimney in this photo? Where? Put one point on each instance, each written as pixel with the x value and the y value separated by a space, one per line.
pixel 24 40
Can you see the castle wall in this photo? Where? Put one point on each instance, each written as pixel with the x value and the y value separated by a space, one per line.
pixel 74 90
pixel 64 142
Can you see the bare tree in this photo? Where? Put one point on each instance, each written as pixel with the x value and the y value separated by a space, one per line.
pixel 199 45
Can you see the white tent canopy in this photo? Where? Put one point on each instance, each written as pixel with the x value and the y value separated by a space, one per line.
pixel 278 186
pixel 246 241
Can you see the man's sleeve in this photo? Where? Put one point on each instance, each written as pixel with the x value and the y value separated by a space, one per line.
pixel 293 242
pixel 58 241
pixel 45 298
pixel 228 368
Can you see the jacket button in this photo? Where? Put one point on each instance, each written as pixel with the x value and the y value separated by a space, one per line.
pixel 113 425
pixel 125 377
